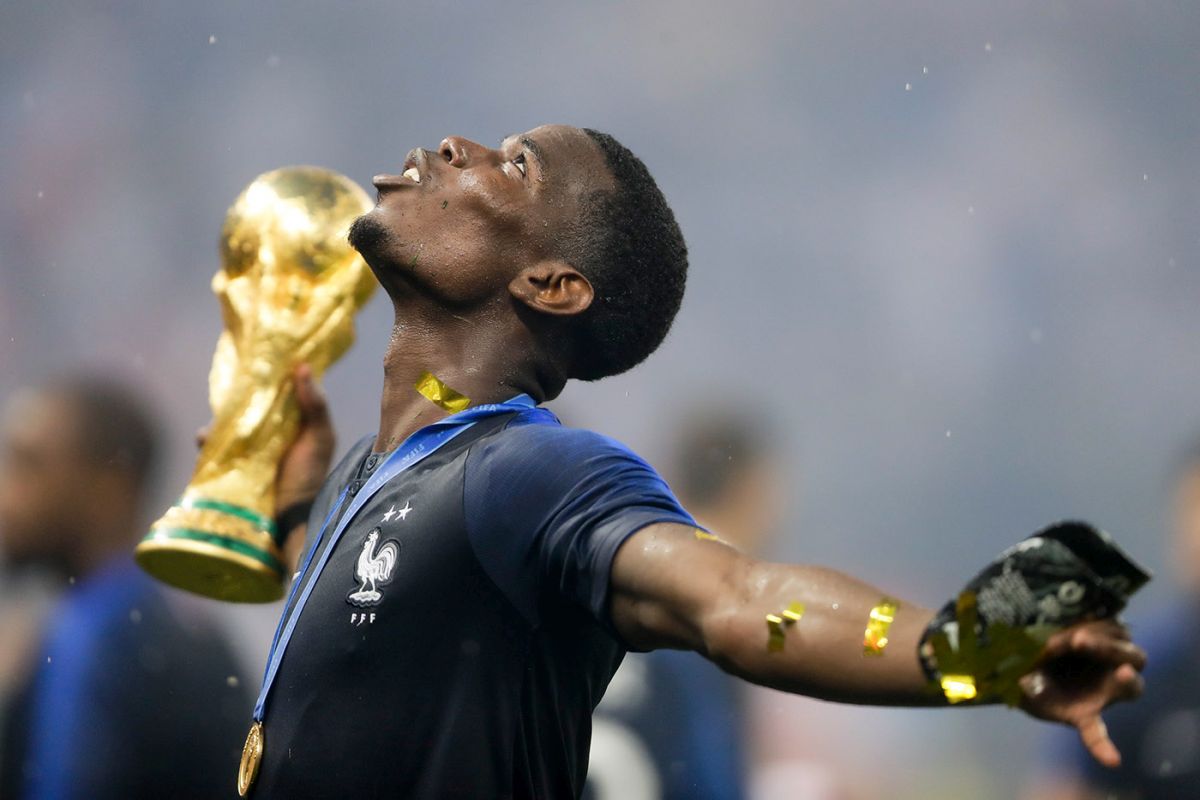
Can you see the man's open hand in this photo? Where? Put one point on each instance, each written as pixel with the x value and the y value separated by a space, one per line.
pixel 1084 669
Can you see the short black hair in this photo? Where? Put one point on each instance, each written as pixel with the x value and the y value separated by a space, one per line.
pixel 117 430
pixel 715 448
pixel 629 246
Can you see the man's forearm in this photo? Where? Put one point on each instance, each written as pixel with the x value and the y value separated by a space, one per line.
pixel 675 587
pixel 823 653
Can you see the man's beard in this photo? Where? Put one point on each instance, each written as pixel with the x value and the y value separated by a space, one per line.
pixel 372 239
pixel 381 249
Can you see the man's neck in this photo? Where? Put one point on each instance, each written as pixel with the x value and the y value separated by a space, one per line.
pixel 471 356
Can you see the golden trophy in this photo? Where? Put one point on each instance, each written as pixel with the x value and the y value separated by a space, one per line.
pixel 289 287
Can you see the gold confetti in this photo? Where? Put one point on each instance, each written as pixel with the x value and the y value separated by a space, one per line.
pixel 777 625
pixel 989 671
pixel 875 637
pixel 705 536
pixel 440 394
pixel 958 688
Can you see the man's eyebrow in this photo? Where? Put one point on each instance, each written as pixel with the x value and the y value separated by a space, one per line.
pixel 534 148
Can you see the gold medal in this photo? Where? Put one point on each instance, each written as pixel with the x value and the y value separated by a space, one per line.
pixel 251 758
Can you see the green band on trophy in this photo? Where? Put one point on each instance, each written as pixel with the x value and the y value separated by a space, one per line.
pixel 220 541
pixel 267 525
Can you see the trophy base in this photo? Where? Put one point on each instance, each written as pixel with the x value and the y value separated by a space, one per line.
pixel 214 549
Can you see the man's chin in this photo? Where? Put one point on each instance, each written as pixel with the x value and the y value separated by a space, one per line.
pixel 367 234
pixel 373 240
pixel 381 248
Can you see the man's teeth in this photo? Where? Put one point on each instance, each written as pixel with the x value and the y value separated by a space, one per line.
pixel 412 174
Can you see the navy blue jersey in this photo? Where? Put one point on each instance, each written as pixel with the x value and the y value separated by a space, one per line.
pixel 458 639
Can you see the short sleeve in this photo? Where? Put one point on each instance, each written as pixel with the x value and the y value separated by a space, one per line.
pixel 547 507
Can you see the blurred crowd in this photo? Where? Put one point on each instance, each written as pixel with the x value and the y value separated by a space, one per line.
pixel 116 687
pixel 942 292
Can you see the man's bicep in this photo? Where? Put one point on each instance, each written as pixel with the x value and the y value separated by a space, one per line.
pixel 669 581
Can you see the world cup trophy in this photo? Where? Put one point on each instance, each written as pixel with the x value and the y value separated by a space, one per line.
pixel 289 287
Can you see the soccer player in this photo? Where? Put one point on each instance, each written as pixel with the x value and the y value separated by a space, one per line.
pixel 128 695
pixel 470 581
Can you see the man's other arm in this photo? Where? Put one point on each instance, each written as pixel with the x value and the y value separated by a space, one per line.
pixel 671 588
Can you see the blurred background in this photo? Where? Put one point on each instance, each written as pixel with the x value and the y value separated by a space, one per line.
pixel 948 250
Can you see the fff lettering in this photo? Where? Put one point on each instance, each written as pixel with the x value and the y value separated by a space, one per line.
pixel 362 618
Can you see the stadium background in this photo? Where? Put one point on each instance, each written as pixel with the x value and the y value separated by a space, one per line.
pixel 949 249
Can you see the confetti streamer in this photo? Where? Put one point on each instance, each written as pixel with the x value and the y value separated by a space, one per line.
pixel 705 536
pixel 777 625
pixel 440 394
pixel 875 637
pixel 990 668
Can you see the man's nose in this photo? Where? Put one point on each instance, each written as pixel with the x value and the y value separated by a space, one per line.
pixel 460 152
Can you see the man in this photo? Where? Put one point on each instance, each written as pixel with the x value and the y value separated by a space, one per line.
pixel 1160 735
pixel 128 697
pixel 471 582
pixel 680 714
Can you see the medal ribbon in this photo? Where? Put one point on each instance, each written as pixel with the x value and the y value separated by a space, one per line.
pixel 415 449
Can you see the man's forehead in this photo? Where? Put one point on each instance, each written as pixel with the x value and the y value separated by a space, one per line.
pixel 566 152
pixel 553 136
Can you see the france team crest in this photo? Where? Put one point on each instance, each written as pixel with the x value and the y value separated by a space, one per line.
pixel 373 569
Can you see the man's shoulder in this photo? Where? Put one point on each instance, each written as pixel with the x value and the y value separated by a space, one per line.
pixel 555 469
pixel 552 444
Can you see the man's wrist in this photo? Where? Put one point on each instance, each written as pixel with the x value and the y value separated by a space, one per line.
pixel 980 644
pixel 292 516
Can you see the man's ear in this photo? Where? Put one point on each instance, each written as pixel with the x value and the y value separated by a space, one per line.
pixel 553 287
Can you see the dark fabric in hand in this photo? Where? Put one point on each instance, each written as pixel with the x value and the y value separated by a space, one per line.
pixel 1065 574
pixel 1117 571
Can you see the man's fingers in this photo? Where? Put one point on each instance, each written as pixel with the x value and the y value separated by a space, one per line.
pixel 1130 683
pixel 310 398
pixel 1103 628
pixel 1098 644
pixel 1108 627
pixel 1094 734
pixel 1119 630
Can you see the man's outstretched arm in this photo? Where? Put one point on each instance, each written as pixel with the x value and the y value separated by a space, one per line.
pixel 671 588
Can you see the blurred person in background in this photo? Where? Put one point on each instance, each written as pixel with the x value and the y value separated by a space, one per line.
pixel 1159 736
pixel 672 725
pixel 129 693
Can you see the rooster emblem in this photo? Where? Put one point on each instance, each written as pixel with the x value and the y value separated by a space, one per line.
pixel 373 569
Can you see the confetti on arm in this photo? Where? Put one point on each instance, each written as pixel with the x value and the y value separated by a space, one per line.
pixel 875 637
